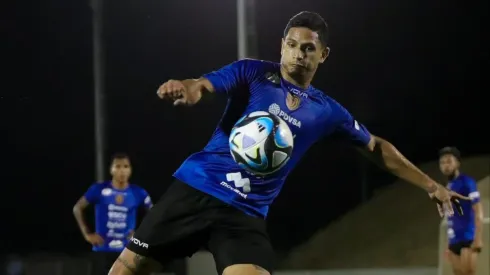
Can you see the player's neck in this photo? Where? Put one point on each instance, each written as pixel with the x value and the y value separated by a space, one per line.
pixel 455 175
pixel 119 184
pixel 302 81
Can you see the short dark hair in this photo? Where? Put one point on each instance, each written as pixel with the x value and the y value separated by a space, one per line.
pixel 119 155
pixel 312 21
pixel 448 150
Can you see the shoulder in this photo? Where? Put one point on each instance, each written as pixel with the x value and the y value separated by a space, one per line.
pixel 467 179
pixel 258 68
pixel 334 109
pixel 137 189
pixel 98 189
pixel 100 185
pixel 258 64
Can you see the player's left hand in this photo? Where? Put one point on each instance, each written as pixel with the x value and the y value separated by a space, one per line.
pixel 445 200
pixel 477 245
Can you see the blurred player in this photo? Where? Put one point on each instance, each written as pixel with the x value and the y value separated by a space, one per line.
pixel 116 204
pixel 208 206
pixel 464 232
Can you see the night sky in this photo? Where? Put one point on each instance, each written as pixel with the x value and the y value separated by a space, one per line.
pixel 413 72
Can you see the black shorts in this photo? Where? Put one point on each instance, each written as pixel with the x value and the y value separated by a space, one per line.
pixel 186 220
pixel 102 262
pixel 457 247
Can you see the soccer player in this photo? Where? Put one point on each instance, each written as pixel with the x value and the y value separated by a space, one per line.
pixel 116 204
pixel 215 204
pixel 464 232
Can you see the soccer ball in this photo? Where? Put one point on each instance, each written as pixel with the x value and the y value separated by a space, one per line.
pixel 261 143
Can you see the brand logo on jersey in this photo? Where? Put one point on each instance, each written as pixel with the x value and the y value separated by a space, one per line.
pixel 356 125
pixel 116 244
pixel 276 110
pixel 273 77
pixel 238 182
pixel 139 243
pixel 298 92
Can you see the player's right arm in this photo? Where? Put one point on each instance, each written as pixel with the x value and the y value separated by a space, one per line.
pixel 223 81
pixel 78 211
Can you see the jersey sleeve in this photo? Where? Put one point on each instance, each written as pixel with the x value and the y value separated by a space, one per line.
pixel 93 193
pixel 146 201
pixel 348 129
pixel 231 77
pixel 473 193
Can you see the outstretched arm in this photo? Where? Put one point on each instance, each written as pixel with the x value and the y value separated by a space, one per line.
pixel 226 80
pixel 185 92
pixel 385 155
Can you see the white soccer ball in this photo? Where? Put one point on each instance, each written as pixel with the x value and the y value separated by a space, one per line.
pixel 261 143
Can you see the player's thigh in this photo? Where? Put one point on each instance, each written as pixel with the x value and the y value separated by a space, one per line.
pixel 102 262
pixel 240 245
pixel 468 261
pixel 130 263
pixel 454 257
pixel 175 227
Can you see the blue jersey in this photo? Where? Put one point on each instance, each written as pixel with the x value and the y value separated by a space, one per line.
pixel 115 212
pixel 253 85
pixel 462 228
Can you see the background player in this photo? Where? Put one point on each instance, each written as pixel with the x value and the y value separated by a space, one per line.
pixel 464 232
pixel 116 204
pixel 199 210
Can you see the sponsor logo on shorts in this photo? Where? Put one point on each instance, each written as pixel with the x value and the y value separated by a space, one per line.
pixel 139 243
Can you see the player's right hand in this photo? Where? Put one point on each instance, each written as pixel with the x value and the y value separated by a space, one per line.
pixel 180 92
pixel 445 200
pixel 94 239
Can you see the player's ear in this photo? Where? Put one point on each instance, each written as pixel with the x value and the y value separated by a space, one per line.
pixel 325 53
pixel 282 46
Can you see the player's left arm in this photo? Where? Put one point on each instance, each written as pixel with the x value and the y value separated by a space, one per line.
pixel 380 151
pixel 385 155
pixel 146 201
pixel 474 195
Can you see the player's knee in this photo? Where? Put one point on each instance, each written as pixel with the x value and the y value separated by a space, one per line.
pixel 468 270
pixel 130 263
pixel 245 269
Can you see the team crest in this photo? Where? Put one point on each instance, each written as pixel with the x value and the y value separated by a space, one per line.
pixel 292 102
pixel 119 199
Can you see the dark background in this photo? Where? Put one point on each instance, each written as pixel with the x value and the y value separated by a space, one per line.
pixel 413 71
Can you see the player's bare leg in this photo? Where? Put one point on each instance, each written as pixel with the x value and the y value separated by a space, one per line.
pixel 468 261
pixel 455 261
pixel 130 263
pixel 245 269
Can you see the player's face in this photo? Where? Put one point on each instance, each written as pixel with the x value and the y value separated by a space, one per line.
pixel 121 169
pixel 448 165
pixel 301 51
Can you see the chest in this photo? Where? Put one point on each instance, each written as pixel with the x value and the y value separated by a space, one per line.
pixel 118 198
pixel 300 110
